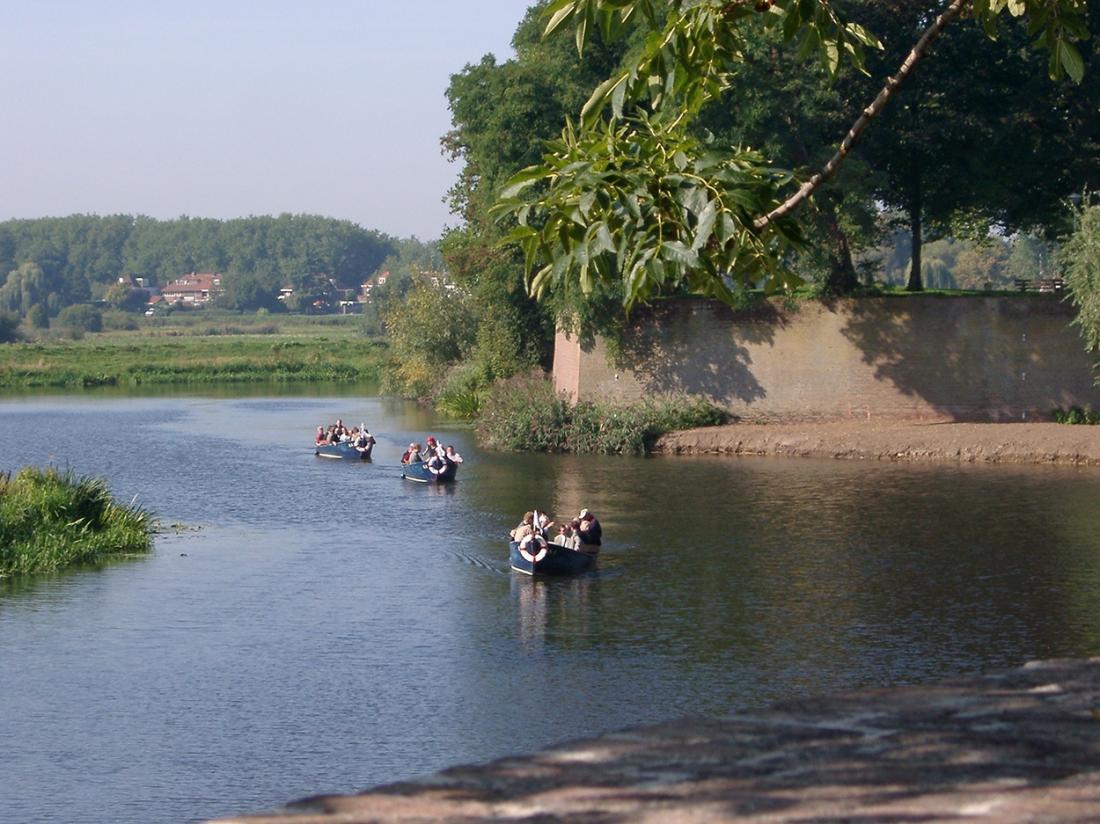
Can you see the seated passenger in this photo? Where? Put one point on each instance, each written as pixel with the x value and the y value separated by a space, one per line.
pixel 453 456
pixel 320 437
pixel 412 454
pixel 525 527
pixel 590 530
pixel 566 537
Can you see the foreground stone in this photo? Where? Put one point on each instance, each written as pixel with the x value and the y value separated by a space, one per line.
pixel 1013 443
pixel 1017 746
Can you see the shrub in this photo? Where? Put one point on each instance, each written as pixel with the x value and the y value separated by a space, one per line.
pixel 1076 415
pixel 524 414
pixel 9 327
pixel 80 318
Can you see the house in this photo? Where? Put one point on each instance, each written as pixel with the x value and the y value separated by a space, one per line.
pixel 195 289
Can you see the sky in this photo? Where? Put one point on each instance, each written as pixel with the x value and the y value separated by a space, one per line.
pixel 231 108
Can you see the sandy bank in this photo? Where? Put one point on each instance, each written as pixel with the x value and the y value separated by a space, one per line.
pixel 1017 443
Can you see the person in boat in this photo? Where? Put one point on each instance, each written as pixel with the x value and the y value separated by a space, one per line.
pixel 363 438
pixel 451 455
pixel 544 522
pixel 525 528
pixel 321 437
pixel 590 531
pixel 436 457
pixel 566 537
pixel 412 454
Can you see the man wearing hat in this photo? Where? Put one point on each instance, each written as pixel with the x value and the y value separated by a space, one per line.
pixel 590 530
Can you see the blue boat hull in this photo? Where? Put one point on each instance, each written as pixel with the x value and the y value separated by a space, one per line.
pixel 420 473
pixel 343 451
pixel 558 561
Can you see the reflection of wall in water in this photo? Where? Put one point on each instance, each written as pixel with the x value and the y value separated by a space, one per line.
pixel 917 357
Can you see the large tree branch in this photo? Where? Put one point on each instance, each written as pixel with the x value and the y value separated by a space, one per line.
pixel 878 104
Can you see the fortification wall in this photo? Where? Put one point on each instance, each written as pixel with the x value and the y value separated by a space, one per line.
pixel 902 358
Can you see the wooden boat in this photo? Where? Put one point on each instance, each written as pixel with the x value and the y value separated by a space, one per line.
pixel 344 450
pixel 423 474
pixel 549 559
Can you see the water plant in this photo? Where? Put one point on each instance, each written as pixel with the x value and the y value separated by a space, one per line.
pixel 51 519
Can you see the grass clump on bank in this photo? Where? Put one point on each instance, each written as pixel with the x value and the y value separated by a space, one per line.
pixel 526 415
pixel 51 519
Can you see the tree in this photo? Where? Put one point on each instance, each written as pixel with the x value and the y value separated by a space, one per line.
pixel 429 331
pixel 1079 259
pixel 636 198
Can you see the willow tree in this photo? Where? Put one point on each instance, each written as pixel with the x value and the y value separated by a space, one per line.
pixel 630 195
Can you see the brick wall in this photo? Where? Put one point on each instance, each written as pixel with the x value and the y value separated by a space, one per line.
pixel 910 358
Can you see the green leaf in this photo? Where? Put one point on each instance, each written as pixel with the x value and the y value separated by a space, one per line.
pixel 1071 61
pixel 705 228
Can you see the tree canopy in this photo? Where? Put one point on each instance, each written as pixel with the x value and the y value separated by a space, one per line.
pixel 58 262
pixel 632 194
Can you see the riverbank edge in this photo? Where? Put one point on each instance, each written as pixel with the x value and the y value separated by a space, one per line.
pixel 1003 443
pixel 1021 745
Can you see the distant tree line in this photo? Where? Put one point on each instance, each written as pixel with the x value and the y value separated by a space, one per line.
pixel 52 263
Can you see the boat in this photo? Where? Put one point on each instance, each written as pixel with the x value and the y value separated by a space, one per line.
pixel 543 558
pixel 423 474
pixel 344 449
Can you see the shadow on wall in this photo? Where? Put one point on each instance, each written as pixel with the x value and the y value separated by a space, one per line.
pixel 700 348
pixel 972 359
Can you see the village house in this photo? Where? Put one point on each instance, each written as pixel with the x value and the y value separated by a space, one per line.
pixel 195 289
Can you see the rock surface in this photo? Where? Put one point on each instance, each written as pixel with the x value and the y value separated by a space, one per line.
pixel 1017 746
pixel 1018 443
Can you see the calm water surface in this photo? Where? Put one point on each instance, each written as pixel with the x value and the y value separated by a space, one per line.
pixel 317 626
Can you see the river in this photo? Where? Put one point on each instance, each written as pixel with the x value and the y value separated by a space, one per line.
pixel 308 626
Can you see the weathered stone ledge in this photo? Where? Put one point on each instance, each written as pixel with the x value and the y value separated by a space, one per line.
pixel 1011 443
pixel 1017 746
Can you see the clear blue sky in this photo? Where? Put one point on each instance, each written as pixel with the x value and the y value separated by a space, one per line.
pixel 229 108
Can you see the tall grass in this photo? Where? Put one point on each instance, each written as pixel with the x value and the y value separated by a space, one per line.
pixel 524 414
pixel 51 519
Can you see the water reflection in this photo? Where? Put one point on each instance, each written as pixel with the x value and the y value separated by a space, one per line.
pixel 555 607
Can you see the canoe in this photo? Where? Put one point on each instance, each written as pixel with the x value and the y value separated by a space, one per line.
pixel 420 473
pixel 344 450
pixel 558 560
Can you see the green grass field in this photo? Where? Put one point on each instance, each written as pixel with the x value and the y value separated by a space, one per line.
pixel 200 349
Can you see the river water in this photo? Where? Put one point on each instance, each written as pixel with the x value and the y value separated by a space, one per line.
pixel 313 626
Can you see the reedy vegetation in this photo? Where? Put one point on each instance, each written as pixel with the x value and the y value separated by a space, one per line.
pixel 51 519
pixel 525 415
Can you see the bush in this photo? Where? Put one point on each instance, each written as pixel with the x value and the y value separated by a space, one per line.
pixel 119 321
pixel 9 327
pixel 1076 415
pixel 524 414
pixel 80 318
pixel 50 520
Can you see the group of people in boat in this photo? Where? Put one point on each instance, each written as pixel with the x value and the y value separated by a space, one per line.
pixel 358 436
pixel 434 455
pixel 582 533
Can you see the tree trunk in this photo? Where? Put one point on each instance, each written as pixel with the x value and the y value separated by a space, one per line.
pixel 916 203
pixel 842 279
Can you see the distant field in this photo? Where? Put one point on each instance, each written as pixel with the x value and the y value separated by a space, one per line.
pixel 200 349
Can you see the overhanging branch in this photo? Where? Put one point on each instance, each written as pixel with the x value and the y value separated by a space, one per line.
pixel 877 105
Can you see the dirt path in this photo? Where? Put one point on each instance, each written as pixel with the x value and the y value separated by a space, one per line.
pixel 1018 443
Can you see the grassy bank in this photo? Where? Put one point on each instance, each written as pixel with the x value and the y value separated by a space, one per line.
pixel 197 352
pixel 50 520
pixel 525 415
